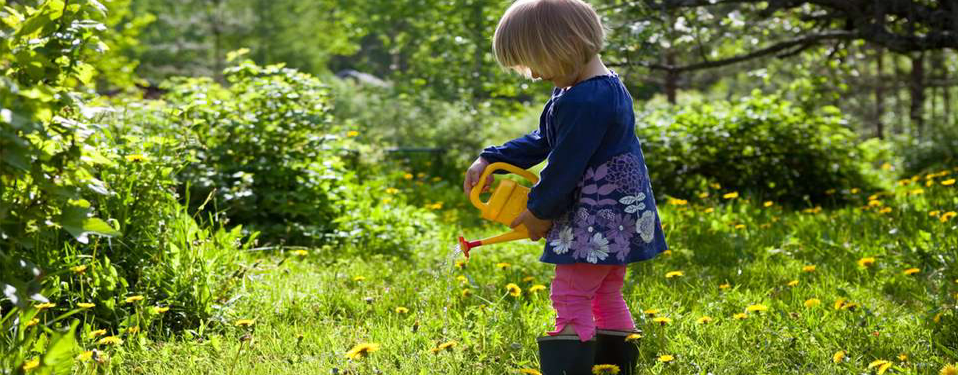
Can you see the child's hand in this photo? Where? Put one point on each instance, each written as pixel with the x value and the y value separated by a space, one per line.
pixel 537 227
pixel 474 173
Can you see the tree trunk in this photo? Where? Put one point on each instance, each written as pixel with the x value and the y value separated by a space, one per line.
pixel 917 88
pixel 879 93
pixel 899 93
pixel 671 78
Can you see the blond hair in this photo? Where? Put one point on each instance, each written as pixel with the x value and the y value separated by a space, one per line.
pixel 554 38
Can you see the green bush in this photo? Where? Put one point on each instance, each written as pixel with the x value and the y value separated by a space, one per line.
pixel 762 145
pixel 267 148
pixel 928 155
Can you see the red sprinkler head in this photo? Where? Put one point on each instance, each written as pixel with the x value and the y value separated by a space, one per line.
pixel 465 246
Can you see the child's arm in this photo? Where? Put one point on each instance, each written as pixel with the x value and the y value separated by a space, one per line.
pixel 523 152
pixel 580 128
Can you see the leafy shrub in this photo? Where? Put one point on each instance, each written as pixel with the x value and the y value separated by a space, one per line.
pixel 926 155
pixel 267 148
pixel 761 144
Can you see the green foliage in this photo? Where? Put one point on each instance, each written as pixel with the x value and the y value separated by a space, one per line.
pixel 762 144
pixel 926 155
pixel 268 147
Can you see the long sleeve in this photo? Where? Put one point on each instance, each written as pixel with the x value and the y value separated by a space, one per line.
pixel 523 152
pixel 579 130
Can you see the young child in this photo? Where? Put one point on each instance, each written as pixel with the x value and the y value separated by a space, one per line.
pixel 594 202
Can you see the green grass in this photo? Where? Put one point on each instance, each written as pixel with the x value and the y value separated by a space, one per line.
pixel 310 310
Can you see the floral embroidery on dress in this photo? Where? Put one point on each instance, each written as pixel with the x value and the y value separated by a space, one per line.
pixel 612 211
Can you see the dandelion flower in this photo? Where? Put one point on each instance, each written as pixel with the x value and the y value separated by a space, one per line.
pixel 245 322
pixel 665 358
pixel 911 271
pixel 651 312
pixel 731 195
pixel 605 369
pixel 672 274
pixel 936 318
pixel 633 337
pixel 793 283
pixel 839 303
pixel 768 204
pixel 33 322
pixel 503 265
pixel 949 369
pixel 300 252
pixel 704 320
pixel 133 330
pixel 442 347
pixel 359 279
pixel 725 286
pixel 45 305
pixel 460 264
pixel 97 333
pixel 903 357
pixel 462 279
pixel 529 371
pixel 85 356
pixel 667 252
pixel 678 202
pixel 809 268
pixel 392 190
pixel 408 176
pixel 662 320
pixel 136 158
pixel 514 290
pixel 866 261
pixel 758 307
pixel 132 299
pixel 528 279
pixel 352 133
pixel 948 182
pixel 881 364
pixel 110 340
pixel 401 310
pixel 838 356
pixel 31 364
pixel 704 195
pixel 830 191
pixel 160 309
pixel 855 190
pixel 812 302
pixel 79 269
pixel 740 316
pixel 709 210
pixel 536 288
pixel 849 306
pixel 466 293
pixel 934 213
pixel 84 305
pixel 740 226
pixel 875 203
pixel 884 210
pixel 947 216
pixel 361 350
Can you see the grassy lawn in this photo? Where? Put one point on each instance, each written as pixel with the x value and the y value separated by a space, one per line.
pixel 760 290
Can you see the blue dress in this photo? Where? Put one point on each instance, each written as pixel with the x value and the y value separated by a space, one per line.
pixel 596 186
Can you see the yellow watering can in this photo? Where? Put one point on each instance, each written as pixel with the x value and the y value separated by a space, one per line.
pixel 508 200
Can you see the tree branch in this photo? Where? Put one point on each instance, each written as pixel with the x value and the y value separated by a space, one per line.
pixel 804 42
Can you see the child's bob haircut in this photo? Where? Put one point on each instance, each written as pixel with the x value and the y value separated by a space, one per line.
pixel 554 38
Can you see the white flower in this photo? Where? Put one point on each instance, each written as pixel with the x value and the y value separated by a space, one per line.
pixel 645 226
pixel 599 249
pixel 634 202
pixel 562 244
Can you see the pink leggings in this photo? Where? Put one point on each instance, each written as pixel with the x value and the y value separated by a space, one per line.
pixel 581 291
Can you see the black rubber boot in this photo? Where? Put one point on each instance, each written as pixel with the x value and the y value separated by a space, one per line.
pixel 565 355
pixel 613 348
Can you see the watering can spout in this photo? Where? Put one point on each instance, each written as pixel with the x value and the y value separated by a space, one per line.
pixel 508 200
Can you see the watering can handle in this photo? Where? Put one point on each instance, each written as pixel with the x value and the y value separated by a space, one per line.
pixel 477 190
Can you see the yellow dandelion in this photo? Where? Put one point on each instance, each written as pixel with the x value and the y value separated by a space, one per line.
pixel 361 350
pixel 466 292
pixel 809 268
pixel 812 302
pixel 704 320
pixel 97 333
pixel 359 279
pixel 849 306
pixel 528 279
pixel 31 364
pixel 434 206
pixel 881 364
pixel 503 265
pixel 300 252
pixel 460 264
pixel 949 369
pixel 793 283
pixel 672 274
pixel 632 337
pixel 79 269
pixel 133 330
pixel 731 195
pixel 768 204
pixel 678 202
pixel 110 340
pixel 740 226
pixel 401 310
pixel 884 210
pixel 33 322
pixel 875 203
pixel 462 279
pixel 408 176
pixel 665 358
pixel 740 316
pixel 715 185
pixel 873 197
pixel 758 307
pixel 136 158
pixel 160 309
pixel 651 312
pixel 866 261
pixel 839 303
pixel 529 371
pixel 918 191
pixel 948 182
pixel 132 299
pixel 667 252
pixel 934 213
pixel 903 357
pixel 886 166
pixel 84 305
pixel 514 290
pixel 85 356
pixel 725 286
pixel 704 195
pixel 911 271
pixel 352 133
pixel 929 183
pixel 838 356
pixel 936 318
pixel 662 320
pixel 44 306
pixel 443 346
pixel 392 190
pixel 855 190
pixel 709 210
pixel 947 216
pixel 245 322
pixel 537 288
pixel 605 369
